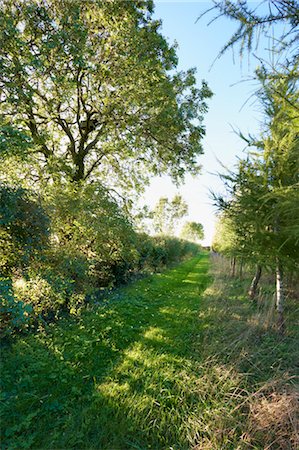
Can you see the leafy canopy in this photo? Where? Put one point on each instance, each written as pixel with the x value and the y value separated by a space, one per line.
pixel 192 231
pixel 93 84
pixel 167 213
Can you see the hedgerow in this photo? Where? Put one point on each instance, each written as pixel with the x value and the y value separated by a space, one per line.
pixel 92 246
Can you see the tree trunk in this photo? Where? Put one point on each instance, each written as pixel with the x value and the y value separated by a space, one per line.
pixel 255 281
pixel 280 299
pixel 79 171
pixel 241 269
pixel 233 266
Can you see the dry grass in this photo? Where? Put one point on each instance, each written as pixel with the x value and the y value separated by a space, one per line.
pixel 274 418
pixel 262 409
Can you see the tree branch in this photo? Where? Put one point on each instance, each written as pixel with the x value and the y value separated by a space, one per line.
pixel 37 139
pixel 64 125
pixel 94 165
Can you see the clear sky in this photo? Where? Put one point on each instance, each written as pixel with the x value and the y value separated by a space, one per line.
pixel 231 106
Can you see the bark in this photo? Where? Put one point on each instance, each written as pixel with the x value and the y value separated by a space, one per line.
pixel 233 266
pixel 280 299
pixel 255 281
pixel 79 169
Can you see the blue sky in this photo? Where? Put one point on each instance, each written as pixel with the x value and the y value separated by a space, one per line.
pixel 232 105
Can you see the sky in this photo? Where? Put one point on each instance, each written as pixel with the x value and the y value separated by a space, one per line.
pixel 233 105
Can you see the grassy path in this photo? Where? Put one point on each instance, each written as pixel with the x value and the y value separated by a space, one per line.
pixel 123 376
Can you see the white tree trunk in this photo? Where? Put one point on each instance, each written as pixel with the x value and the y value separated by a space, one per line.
pixel 279 299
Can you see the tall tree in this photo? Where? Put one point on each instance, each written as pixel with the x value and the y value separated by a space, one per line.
pixel 93 84
pixel 167 214
pixel 192 231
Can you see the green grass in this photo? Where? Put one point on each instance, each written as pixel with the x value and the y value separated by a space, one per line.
pixel 165 363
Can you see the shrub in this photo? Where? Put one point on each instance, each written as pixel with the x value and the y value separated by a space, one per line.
pixel 158 251
pixel 92 227
pixel 48 295
pixel 14 314
pixel 24 228
pixel 67 264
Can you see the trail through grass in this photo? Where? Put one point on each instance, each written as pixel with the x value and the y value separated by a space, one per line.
pixel 170 362
pixel 117 377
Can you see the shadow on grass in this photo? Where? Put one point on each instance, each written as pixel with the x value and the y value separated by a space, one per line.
pixel 86 383
pixel 131 374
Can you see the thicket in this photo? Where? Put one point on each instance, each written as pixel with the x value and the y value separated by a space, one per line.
pixel 60 256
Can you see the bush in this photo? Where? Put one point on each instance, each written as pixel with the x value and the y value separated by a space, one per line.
pixel 48 294
pixel 160 251
pixel 14 314
pixel 24 229
pixel 67 264
pixel 91 227
pixel 42 296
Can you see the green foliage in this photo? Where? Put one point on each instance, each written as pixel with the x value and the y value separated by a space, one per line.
pixel 95 87
pixel 192 231
pixel 167 214
pixel 14 314
pixel 44 297
pixel 24 228
pixel 225 241
pixel 262 211
pixel 162 251
pixel 13 141
pixel 171 250
pixel 66 263
pixel 48 296
pixel 92 229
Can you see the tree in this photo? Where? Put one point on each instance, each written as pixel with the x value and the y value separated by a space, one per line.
pixel 264 195
pixel 257 19
pixel 167 214
pixel 224 239
pixel 93 84
pixel 192 231
pixel 269 174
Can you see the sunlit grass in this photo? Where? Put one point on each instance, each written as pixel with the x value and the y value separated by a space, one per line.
pixel 159 365
pixel 111 378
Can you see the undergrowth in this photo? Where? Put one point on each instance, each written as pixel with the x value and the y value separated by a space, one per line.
pixel 241 338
